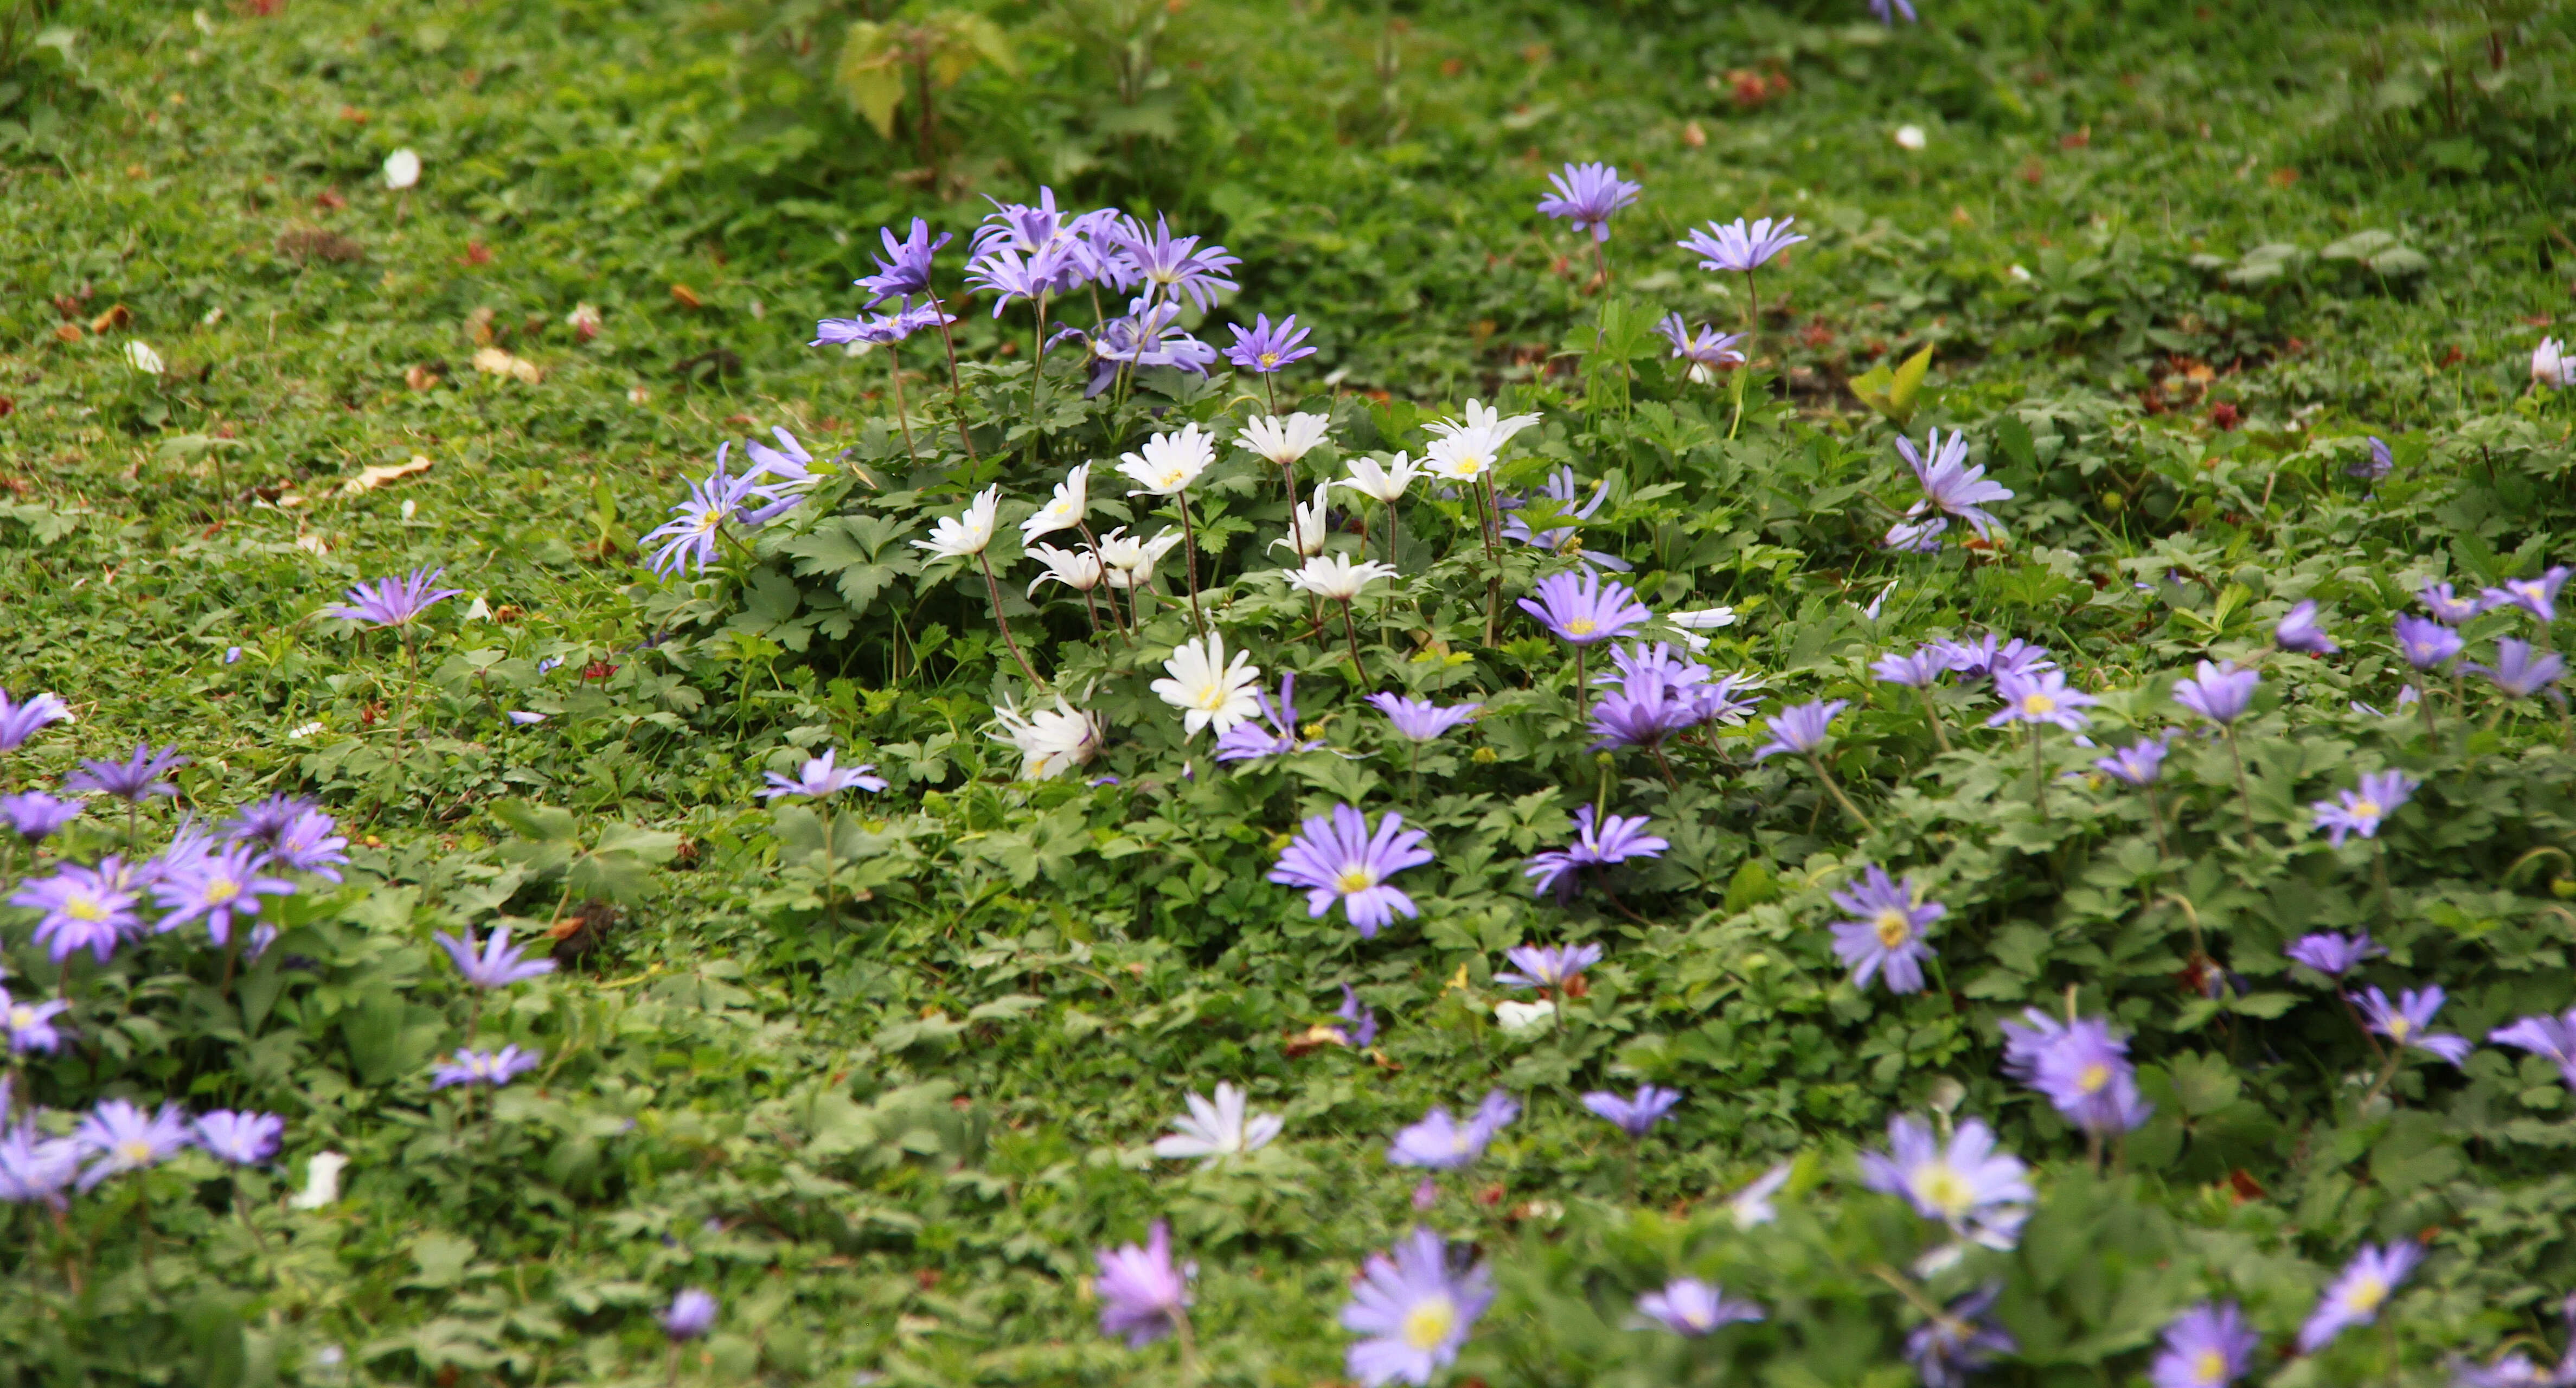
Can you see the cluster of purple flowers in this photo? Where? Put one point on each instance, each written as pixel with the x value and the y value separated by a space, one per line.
pixel 116 1137
pixel 2080 1067
pixel 777 480
pixel 1657 693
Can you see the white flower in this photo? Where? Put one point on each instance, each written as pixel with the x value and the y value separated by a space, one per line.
pixel 2551 364
pixel 1170 462
pixel 1131 561
pixel 1216 1131
pixel 1752 1205
pixel 1382 484
pixel 1909 137
pixel 964 535
pixel 402 169
pixel 1518 1017
pixel 1284 441
pixel 2020 275
pixel 584 320
pixel 1050 740
pixel 1484 418
pixel 302 731
pixel 1463 456
pixel 140 356
pixel 1064 511
pixel 321 1181
pixel 1335 576
pixel 1307 529
pixel 1077 569
pixel 1211 692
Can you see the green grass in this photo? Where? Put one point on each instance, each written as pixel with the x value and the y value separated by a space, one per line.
pixel 891 1131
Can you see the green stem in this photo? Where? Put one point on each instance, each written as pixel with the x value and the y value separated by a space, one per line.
pixel 1839 798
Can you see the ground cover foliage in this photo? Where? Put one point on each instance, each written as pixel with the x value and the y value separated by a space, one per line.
pixel 882 1070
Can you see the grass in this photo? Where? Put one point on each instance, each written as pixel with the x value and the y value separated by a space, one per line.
pixel 889 1122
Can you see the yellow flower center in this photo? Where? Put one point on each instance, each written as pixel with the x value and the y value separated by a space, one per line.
pixel 21 1017
pixel 2094 1077
pixel 1893 928
pixel 1581 626
pixel 222 889
pixel 1270 359
pixel 710 520
pixel 1944 1189
pixel 85 907
pixel 2398 1027
pixel 1429 1322
pixel 2037 705
pixel 2210 1367
pixel 2365 809
pixel 1354 879
pixel 1213 698
pixel 134 1151
pixel 2366 1295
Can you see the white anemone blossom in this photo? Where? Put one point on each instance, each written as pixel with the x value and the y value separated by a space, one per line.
pixel 1306 527
pixel 1382 484
pixel 1050 741
pixel 1077 569
pixel 965 535
pixel 1697 620
pixel 1210 691
pixel 1064 510
pixel 1130 560
pixel 1284 441
pixel 1169 462
pixel 1212 1132
pixel 1335 576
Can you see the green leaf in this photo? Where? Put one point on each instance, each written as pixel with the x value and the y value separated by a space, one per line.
pixel 1893 392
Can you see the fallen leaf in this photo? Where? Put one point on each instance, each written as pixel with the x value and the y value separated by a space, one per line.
pixel 312 544
pixel 478 325
pixel 118 316
pixel 493 361
pixel 329 200
pixel 353 115
pixel 686 297
pixel 382 473
pixel 68 332
pixel 423 377
pixel 476 253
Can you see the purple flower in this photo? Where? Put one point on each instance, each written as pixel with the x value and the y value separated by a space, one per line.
pixel 261 821
pixel 35 816
pixel 1980 1194
pixel 1421 719
pixel 497 965
pixel 692 1314
pixel 1363 1020
pixel 1145 337
pixel 1561 539
pixel 307 844
pixel 2221 694
pixel 1887 936
pixel 244 1139
pixel 2080 1068
pixel 2379 464
pixel 124 1138
pixel 2447 608
pixel 393 602
pixel 1338 858
pixel 1738 247
pixel 2040 698
pixel 2139 763
pixel 2426 644
pixel 1266 349
pixel 1688 1306
pixel 1801 729
pixel 2300 631
pixel 1586 195
pixel 2361 811
pixel 1141 1294
pixel 1705 348
pixel 1011 275
pixel 31 1025
pixel 1580 608
pixel 85 908
pixel 1964 1338
pixel 1658 695
pixel 522 718
pixel 1618 840
pixel 136 779
pixel 1916 671
pixel 1442 1143
pixel 1634 1115
pixel 1415 1309
pixel 219 887
pixel 1553 966
pixel 690 535
pixel 2554 1037
pixel 819 779
pixel 1916 537
pixel 34 1167
pixel 2537 596
pixel 494 1068
pixel 1248 740
pixel 1171 267
pixel 2517 671
pixel 2331 954
pixel 2404 1021
pixel 904 270
pixel 2205 1347
pixel 1886 11
pixel 2355 1296
pixel 1949 484
pixel 1986 657
pixel 18 722
pixel 880 330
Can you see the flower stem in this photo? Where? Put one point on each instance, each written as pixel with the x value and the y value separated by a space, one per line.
pixel 894 370
pixel 2244 796
pixel 1582 687
pixel 1839 798
pixel 1190 558
pixel 956 389
pixel 2038 773
pixel 1359 671
pixel 2396 1056
pixel 1932 714
pixel 993 586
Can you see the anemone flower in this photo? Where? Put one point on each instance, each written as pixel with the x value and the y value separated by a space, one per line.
pixel 1414 1310
pixel 1982 1195
pixel 1803 729
pixel 1617 840
pixel 1337 857
pixel 1885 936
